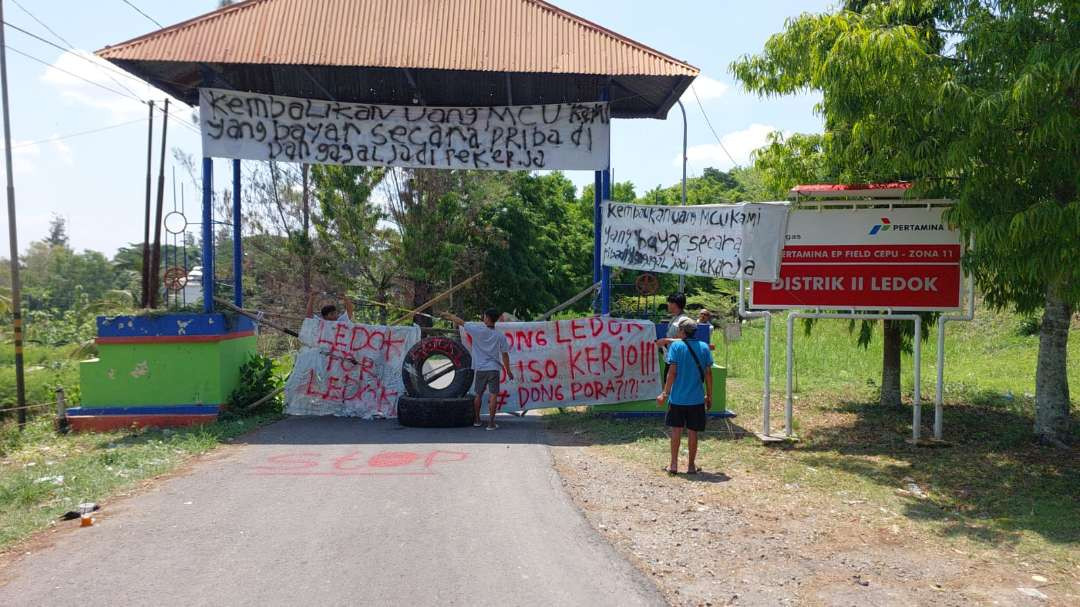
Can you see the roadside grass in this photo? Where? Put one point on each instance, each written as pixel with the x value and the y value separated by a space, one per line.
pixel 992 489
pixel 46 368
pixel 44 474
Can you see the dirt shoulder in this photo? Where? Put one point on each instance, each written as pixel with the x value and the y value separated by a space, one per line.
pixel 738 538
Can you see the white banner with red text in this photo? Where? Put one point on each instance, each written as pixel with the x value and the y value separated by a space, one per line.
pixel 348 369
pixel 581 361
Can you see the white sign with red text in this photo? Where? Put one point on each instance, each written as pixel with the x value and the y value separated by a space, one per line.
pixel 581 361
pixel 902 258
pixel 348 369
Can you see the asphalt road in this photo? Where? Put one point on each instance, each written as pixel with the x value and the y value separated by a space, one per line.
pixel 325 511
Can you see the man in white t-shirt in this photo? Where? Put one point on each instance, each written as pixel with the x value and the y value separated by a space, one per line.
pixel 490 354
pixel 676 305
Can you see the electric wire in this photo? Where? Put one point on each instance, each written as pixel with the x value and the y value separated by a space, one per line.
pixel 71 46
pixel 140 11
pixel 78 134
pixel 708 122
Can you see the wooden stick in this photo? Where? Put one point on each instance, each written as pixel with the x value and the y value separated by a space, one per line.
pixel 262 321
pixel 568 302
pixel 438 298
pixel 389 306
pixel 262 400
pixel 266 323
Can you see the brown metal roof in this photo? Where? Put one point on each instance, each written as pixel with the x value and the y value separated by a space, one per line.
pixel 537 50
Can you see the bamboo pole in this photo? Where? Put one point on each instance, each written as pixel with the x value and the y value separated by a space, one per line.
pixel 389 306
pixel 438 298
pixel 568 302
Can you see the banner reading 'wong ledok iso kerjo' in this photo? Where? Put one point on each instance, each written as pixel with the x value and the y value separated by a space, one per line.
pixel 580 361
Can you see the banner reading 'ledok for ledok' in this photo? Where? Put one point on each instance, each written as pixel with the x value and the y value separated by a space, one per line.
pixel 741 241
pixel 348 369
pixel 236 124
pixel 582 361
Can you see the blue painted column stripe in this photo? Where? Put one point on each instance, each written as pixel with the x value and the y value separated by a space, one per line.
pixel 605 272
pixel 598 193
pixel 208 234
pixel 605 194
pixel 238 243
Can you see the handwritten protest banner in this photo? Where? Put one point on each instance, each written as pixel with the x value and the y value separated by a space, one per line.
pixel 716 240
pixel 583 361
pixel 237 124
pixel 348 369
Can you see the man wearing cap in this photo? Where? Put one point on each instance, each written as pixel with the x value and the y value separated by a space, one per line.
pixel 688 390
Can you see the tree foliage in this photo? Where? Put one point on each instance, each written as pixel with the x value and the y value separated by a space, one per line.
pixel 978 100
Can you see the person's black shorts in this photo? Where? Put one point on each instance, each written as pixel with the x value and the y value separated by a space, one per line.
pixel 485 381
pixel 691 417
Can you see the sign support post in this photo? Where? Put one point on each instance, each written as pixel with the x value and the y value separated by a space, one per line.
pixel 208 234
pixel 238 243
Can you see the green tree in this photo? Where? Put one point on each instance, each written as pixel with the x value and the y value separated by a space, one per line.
pixel 361 252
pixel 57 236
pixel 535 244
pixel 974 99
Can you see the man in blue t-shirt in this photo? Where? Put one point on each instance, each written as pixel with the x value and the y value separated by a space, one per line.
pixel 689 367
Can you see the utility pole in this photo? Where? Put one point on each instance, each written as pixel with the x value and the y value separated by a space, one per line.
pixel 155 253
pixel 145 300
pixel 682 277
pixel 16 287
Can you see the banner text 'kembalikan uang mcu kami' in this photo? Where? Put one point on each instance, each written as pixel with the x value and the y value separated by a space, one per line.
pixel 582 361
pixel 740 241
pixel 348 369
pixel 253 126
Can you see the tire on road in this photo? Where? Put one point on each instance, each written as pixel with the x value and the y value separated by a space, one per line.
pixel 435 412
pixel 412 370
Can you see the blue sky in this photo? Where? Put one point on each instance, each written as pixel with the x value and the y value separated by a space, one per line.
pixel 97 180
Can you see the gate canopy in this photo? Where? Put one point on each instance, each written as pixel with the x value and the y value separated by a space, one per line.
pixel 408 52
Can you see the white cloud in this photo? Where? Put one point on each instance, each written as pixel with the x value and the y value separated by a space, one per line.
pixel 738 143
pixel 23 157
pixel 62 151
pixel 81 68
pixel 707 89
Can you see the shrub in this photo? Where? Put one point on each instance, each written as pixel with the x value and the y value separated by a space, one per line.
pixel 257 379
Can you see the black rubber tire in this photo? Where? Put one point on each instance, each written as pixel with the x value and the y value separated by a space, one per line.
pixel 412 368
pixel 435 412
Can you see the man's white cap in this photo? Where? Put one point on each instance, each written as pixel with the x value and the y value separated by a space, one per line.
pixel 688 325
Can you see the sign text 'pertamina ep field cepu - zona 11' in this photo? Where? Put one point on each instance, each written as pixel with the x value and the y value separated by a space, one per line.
pixel 901 258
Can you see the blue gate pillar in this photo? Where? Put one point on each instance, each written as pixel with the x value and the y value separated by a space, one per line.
pixel 601 192
pixel 598 197
pixel 605 271
pixel 238 243
pixel 208 234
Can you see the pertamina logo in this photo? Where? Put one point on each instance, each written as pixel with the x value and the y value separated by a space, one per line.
pixel 881 227
pixel 887 225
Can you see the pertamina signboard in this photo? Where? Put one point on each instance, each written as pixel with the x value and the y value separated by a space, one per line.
pixel 866 259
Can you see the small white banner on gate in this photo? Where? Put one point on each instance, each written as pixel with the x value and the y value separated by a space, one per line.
pixel 741 241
